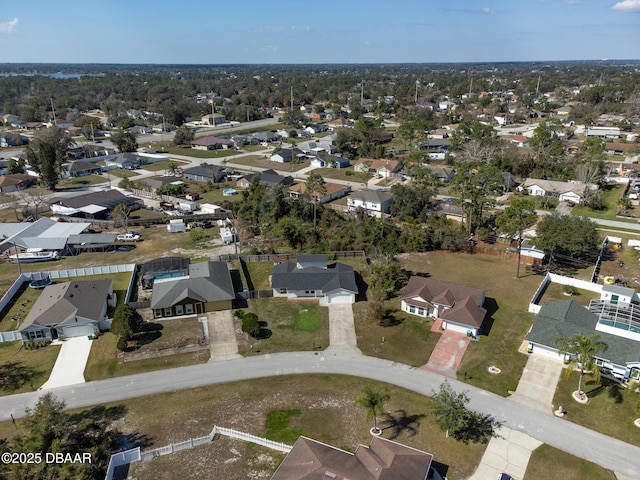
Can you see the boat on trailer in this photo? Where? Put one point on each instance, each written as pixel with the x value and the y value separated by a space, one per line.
pixel 41 282
pixel 34 256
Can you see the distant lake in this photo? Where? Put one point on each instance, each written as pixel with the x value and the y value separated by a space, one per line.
pixel 52 75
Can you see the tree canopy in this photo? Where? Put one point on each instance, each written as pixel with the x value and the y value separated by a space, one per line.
pixel 46 152
pixel 582 351
pixel 372 400
pixel 568 235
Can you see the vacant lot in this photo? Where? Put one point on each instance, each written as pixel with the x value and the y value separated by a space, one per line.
pixel 327 413
pixel 289 326
pixel 264 162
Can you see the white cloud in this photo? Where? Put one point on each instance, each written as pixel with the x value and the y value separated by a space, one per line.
pixel 488 10
pixel 627 6
pixel 7 27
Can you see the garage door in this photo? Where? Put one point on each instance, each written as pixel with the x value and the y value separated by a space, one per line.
pixel 76 331
pixel 341 298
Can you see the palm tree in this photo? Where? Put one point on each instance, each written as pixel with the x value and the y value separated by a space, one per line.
pixel 372 401
pixel 315 187
pixel 582 352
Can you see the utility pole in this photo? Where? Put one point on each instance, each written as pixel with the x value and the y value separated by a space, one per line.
pixel 53 110
pixel 362 92
pixel 417 85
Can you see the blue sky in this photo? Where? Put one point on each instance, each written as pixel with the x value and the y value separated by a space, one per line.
pixel 325 31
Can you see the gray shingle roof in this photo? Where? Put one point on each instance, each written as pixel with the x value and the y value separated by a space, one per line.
pixel 207 282
pixel 334 277
pixel 566 318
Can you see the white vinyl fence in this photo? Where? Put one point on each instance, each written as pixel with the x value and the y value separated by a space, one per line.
pixel 136 455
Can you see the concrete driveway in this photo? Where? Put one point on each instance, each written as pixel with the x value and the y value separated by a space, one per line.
pixel 70 364
pixel 538 383
pixel 222 336
pixel 448 352
pixel 342 330
pixel 508 452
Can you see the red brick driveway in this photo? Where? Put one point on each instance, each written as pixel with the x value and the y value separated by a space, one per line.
pixel 448 352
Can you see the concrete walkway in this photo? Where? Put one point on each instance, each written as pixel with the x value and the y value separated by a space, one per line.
pixel 342 330
pixel 538 382
pixel 508 452
pixel 70 364
pixel 222 336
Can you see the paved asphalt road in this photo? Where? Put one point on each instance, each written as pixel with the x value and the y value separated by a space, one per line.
pixel 582 442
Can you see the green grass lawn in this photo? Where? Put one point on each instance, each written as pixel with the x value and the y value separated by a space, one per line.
pixel 121 173
pixel 25 370
pixel 610 196
pixel 264 162
pixel 259 273
pixel 556 292
pixel 85 181
pixel 193 152
pixel 289 326
pixel 611 410
pixel 162 165
pixel 545 459
pixel 341 174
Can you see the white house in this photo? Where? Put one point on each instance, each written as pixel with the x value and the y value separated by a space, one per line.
pixel 563 191
pixel 374 202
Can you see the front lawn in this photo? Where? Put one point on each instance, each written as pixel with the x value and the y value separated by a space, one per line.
pixel 404 338
pixel 610 195
pixel 289 326
pixel 611 409
pixel 196 153
pixel 25 370
pixel 545 459
pixel 163 165
pixel 86 181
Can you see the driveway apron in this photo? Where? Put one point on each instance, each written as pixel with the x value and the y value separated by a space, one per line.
pixel 70 364
pixel 447 354
pixel 222 336
pixel 538 383
pixel 342 330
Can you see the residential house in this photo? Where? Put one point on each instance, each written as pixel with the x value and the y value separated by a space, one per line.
pixel 212 143
pixel 330 161
pixel 436 148
pixel 520 141
pixel 617 148
pixel 374 202
pixel 69 309
pixel 164 128
pixel 287 155
pixel 382 167
pixel 382 460
pixel 444 174
pixel 313 148
pixel 11 139
pixel 510 181
pixel 207 288
pixel 267 178
pixel 16 181
pixel 314 129
pixel 214 119
pixel 205 173
pixel 34 126
pixel 564 191
pixel 459 307
pixel 617 324
pixel 451 212
pixel 331 192
pixel 140 130
pixel 340 122
pixel 81 169
pixel 95 205
pixel 312 277
pixel 127 161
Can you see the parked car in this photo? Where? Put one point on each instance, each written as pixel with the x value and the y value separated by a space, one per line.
pixel 129 237
pixel 504 476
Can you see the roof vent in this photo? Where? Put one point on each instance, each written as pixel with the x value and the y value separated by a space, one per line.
pixel 330 474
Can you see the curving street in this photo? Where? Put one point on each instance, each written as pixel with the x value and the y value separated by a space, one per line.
pixel 562 434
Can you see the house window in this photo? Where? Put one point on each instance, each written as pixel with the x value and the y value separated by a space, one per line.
pixel 421 311
pixel 168 312
pixel 158 312
pixel 310 292
pixel 179 310
pixel 36 335
pixel 283 290
pixel 412 309
pixel 189 308
pixel 615 298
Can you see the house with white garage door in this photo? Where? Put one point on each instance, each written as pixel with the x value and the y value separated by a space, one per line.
pixel 312 277
pixel 459 307
pixel 69 309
